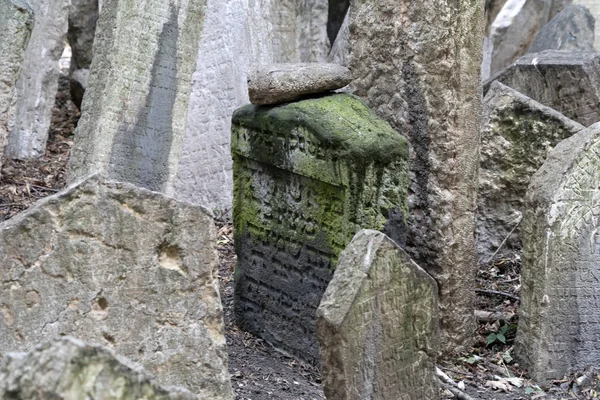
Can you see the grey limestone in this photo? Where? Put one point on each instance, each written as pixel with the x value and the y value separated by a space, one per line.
pixel 123 267
pixel 572 30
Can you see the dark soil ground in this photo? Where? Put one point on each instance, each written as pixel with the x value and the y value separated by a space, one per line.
pixel 258 371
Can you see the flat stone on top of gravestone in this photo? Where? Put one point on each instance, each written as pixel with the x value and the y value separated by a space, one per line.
pixel 307 176
pixel 559 329
pixel 517 134
pixel 567 81
pixel 377 324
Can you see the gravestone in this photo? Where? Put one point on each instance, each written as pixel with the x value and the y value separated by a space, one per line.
pixel 568 82
pixel 558 330
pixel 69 369
pixel 16 20
pixel 377 324
pixel 395 53
pixel 517 134
pixel 307 176
pixel 38 83
pixel 134 113
pixel 121 266
pixel 594 8
pixel 571 30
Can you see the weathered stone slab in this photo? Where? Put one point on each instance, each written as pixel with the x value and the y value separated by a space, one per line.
pixel 16 20
pixel 377 324
pixel 568 82
pixel 114 264
pixel 38 83
pixel 436 104
pixel 571 30
pixel 558 318
pixel 69 369
pixel 517 134
pixel 134 113
pixel 594 7
pixel 307 176
pixel 280 83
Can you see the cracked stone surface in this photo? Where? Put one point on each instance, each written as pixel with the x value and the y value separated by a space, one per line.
pixel 377 324
pixel 69 369
pixel 123 267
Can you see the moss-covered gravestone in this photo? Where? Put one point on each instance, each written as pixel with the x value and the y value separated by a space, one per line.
pixel 307 176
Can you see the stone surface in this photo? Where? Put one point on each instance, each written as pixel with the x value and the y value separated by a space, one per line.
pixel 83 15
pixel 307 176
pixel 558 319
pixel 38 83
pixel 134 113
pixel 517 134
pixel 514 30
pixel 117 265
pixel 377 324
pixel 16 20
pixel 69 369
pixel 594 7
pixel 572 29
pixel 280 83
pixel 340 50
pixel 568 82
pixel 419 67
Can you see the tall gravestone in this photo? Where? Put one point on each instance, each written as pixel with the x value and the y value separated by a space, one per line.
pixel 516 136
pixel 16 20
pixel 307 176
pixel 558 329
pixel 377 324
pixel 134 113
pixel 419 68
pixel 567 81
pixel 38 83
pixel 121 266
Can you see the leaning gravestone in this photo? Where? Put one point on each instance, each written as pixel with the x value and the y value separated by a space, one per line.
pixel 118 265
pixel 566 81
pixel 69 369
pixel 517 134
pixel 558 329
pixel 16 20
pixel 307 176
pixel 134 113
pixel 38 83
pixel 377 324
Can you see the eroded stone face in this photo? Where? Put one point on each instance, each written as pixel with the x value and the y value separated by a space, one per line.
pixel 69 369
pixel 307 176
pixel 120 266
pixel 558 318
pixel 134 113
pixel 517 134
pixel 377 324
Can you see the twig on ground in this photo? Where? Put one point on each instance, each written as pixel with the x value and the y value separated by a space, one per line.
pixel 497 293
pixel 505 239
pixel 459 394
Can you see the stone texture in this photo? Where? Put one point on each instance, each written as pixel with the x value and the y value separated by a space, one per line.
pixel 38 83
pixel 69 369
pixel 307 176
pixel 377 324
pixel 16 20
pixel 340 50
pixel 419 67
pixel 280 83
pixel 568 82
pixel 114 264
pixel 134 113
pixel 517 134
pixel 83 15
pixel 558 319
pixel 514 30
pixel 571 30
pixel 594 7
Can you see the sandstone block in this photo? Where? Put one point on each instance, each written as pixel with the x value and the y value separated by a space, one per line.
pixel 134 113
pixel 69 369
pixel 377 324
pixel 307 176
pixel 280 83
pixel 568 82
pixel 117 265
pixel 517 134
pixel 571 30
